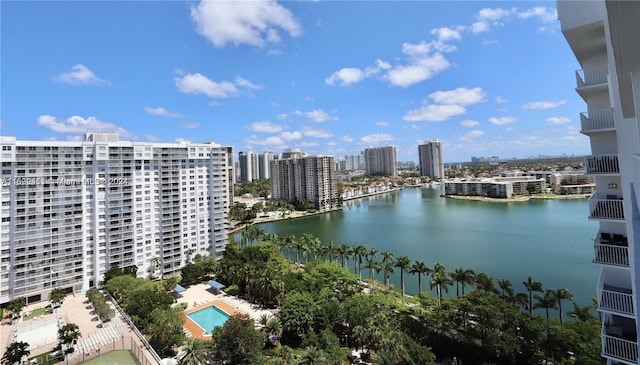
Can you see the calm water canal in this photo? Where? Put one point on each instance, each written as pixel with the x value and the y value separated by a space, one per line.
pixel 550 240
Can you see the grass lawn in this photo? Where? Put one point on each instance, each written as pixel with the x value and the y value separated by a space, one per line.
pixel 39 311
pixel 44 359
pixel 121 357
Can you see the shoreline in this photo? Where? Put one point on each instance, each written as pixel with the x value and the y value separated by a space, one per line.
pixel 298 215
pixel 518 199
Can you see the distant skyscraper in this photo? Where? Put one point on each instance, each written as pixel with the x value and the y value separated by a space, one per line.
pixel 264 161
pixel 381 161
pixel 248 166
pixel 309 178
pixel 292 153
pixel 355 162
pixel 430 159
pixel 71 210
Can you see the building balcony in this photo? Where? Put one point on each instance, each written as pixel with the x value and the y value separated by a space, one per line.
pixel 619 346
pixel 616 300
pixel 606 254
pixel 602 165
pixel 608 209
pixel 592 80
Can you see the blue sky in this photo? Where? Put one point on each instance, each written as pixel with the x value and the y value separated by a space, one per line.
pixel 327 77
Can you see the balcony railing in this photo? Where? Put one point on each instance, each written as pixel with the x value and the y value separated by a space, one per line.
pixel 602 165
pixel 597 120
pixel 611 255
pixel 606 209
pixel 594 75
pixel 619 348
pixel 614 299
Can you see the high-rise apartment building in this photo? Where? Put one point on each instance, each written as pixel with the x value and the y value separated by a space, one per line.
pixel 381 161
pixel 604 38
pixel 309 178
pixel 430 159
pixel 264 162
pixel 71 210
pixel 249 166
pixel 355 162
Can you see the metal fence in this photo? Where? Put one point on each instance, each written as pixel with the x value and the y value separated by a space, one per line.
pixel 134 329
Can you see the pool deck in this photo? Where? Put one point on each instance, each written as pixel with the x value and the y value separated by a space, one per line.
pixel 197 331
pixel 199 296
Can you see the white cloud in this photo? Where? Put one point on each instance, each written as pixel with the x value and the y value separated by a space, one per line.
pixel 502 120
pixel 347 139
pixel 242 82
pixel 345 77
pixel 317 115
pixel 265 127
pixel 272 141
pixel 500 100
pixel 307 144
pixel 487 18
pixel 469 123
pixel 558 120
pixel 182 140
pixel 254 23
pixel 191 125
pixel 79 75
pixel 488 42
pixel 434 113
pixel 382 124
pixel 80 125
pixel 282 116
pixel 418 71
pixel 376 138
pixel 330 144
pixel 543 104
pixel 544 14
pixel 162 112
pixel 461 96
pixel 316 133
pixel 200 84
pixel 290 136
pixel 447 34
pixel 471 135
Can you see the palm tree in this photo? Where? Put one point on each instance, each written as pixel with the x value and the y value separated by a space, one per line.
pixel 330 250
pixel 462 277
pixel 583 314
pixel 547 301
pixel 67 335
pixel 441 281
pixel 485 284
pixel 15 352
pixel 311 356
pixel 372 266
pixel 506 288
pixel 532 286
pixel 56 296
pixel 194 352
pixel 359 252
pixel 387 268
pixel 403 263
pixel 372 252
pixel 343 251
pixel 298 244
pixel 562 294
pixel 386 256
pixel 289 243
pixel 420 268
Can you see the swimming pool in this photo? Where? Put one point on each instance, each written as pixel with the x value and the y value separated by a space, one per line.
pixel 208 318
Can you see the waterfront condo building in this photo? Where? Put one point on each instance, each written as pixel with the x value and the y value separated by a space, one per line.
pixel 249 166
pixel 264 162
pixel 71 210
pixel 381 161
pixel 604 38
pixel 309 178
pixel 430 159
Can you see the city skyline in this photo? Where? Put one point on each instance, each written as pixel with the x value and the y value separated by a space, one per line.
pixel 324 77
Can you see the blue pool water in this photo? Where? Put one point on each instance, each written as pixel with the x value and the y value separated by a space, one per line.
pixel 208 318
